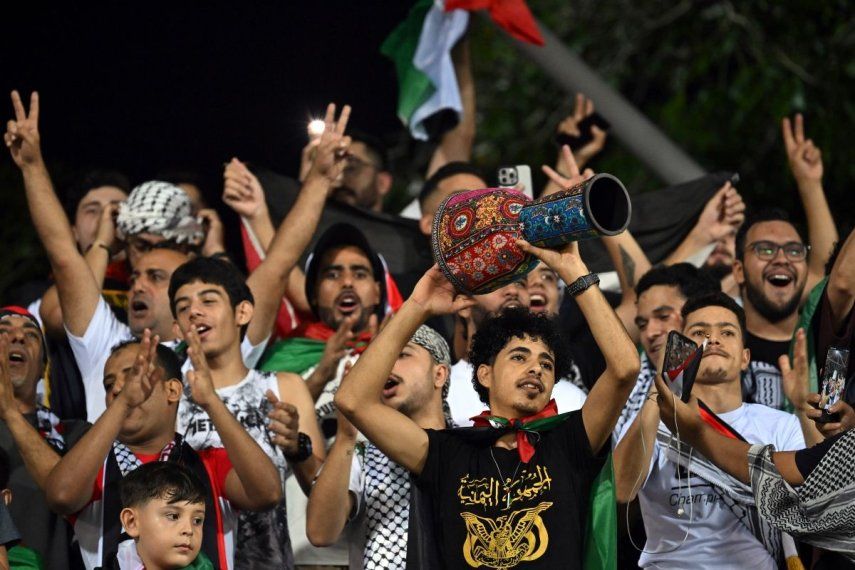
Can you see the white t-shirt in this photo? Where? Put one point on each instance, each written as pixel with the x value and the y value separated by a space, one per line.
pixel 103 333
pixel 464 402
pixel 716 539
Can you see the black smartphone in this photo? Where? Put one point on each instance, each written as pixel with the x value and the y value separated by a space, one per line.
pixel 586 135
pixel 833 383
pixel 680 368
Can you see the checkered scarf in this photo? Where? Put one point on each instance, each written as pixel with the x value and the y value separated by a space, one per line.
pixel 821 511
pixel 50 427
pixel 160 208
pixel 637 396
pixel 734 494
pixel 128 461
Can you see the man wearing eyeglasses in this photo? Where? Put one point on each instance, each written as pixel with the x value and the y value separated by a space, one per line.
pixel 772 268
pixel 365 179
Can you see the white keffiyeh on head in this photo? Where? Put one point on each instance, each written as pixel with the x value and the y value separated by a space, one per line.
pixel 162 209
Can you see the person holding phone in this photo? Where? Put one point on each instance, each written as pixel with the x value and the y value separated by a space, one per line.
pixel 688 513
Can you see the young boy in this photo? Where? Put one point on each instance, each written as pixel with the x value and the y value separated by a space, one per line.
pixel 163 512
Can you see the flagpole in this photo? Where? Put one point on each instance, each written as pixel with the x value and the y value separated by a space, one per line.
pixel 641 137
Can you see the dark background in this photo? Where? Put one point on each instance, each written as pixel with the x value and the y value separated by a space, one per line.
pixel 144 87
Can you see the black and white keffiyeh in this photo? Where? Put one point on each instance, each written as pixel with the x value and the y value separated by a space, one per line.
pixel 387 510
pixel 639 393
pixel 162 209
pixel 734 494
pixel 50 427
pixel 821 511
pixel 128 462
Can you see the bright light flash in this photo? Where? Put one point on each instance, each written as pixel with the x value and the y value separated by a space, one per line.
pixel 316 128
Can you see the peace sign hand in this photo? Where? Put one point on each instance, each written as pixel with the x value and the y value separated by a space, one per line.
pixel 574 177
pixel 570 126
pixel 22 133
pixel 331 154
pixel 804 157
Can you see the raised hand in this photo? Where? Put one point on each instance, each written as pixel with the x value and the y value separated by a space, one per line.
pixel 584 107
pixel 567 262
pixel 435 294
pixel 284 424
pixel 568 163
pixel 22 133
pixel 331 154
pixel 105 233
pixel 804 157
pixel 722 215
pixel 796 378
pixel 7 391
pixel 201 384
pixel 334 350
pixel 307 156
pixel 213 232
pixel 681 418
pixel 138 384
pixel 242 191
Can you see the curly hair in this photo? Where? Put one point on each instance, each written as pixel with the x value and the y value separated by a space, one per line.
pixel 498 330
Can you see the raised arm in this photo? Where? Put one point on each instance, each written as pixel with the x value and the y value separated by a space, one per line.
pixel 39 457
pixel 796 382
pixel 805 161
pixel 456 144
pixel 358 398
pixel 331 503
pixel 78 289
pixel 634 452
pixel 268 280
pixel 70 483
pixel 720 218
pixel 583 108
pixel 841 284
pixel 253 483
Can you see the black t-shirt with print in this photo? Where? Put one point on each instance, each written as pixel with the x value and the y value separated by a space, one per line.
pixel 761 383
pixel 542 525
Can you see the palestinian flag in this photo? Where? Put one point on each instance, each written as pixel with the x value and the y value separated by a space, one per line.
pixel 429 98
pixel 683 374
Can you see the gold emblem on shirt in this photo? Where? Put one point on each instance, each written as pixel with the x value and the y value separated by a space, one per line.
pixel 505 541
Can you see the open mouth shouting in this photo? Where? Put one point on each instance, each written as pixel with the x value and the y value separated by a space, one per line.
pixel 537 303
pixel 202 330
pixel 139 308
pixel 779 278
pixel 531 386
pixel 17 357
pixel 390 388
pixel 348 303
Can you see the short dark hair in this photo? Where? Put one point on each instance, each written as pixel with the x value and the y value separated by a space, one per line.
pixel 687 278
pixel 715 300
pixel 166 480
pixel 497 331
pixel 89 181
pixel 760 216
pixel 446 171
pixel 5 469
pixel 166 357
pixel 376 148
pixel 215 271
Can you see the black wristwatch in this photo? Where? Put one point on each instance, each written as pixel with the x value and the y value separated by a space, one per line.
pixel 582 283
pixel 304 449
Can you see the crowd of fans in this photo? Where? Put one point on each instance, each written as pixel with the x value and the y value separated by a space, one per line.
pixel 162 409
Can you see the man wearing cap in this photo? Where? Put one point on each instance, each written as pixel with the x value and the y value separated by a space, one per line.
pixel 361 487
pixel 32 436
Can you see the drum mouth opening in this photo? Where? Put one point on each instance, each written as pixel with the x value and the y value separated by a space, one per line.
pixel 608 204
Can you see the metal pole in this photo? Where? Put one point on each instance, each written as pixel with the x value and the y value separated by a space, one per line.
pixel 632 128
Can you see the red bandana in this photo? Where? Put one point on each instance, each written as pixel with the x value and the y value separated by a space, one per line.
pixel 522 426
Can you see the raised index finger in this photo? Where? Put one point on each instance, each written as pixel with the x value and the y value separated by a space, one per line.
pixel 787 132
pixel 342 120
pixel 34 107
pixel 20 114
pixel 800 128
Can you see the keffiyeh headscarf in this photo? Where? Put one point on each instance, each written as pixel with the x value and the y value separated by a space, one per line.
pixel 160 208
pixel 431 341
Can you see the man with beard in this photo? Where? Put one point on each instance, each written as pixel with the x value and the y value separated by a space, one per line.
pixel 365 180
pixel 771 270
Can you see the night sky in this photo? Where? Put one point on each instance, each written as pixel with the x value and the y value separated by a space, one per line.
pixel 143 88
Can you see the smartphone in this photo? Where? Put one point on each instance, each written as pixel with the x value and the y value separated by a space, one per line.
pixel 586 135
pixel 679 369
pixel 833 383
pixel 517 177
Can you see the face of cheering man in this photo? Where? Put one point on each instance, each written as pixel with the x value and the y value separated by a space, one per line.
pixel 521 379
pixel 773 270
pixel 26 359
pixel 363 182
pixel 346 287
pixel 415 383
pixel 725 357
pixel 658 313
pixel 510 296
pixel 543 290
pixel 208 307
pixel 149 293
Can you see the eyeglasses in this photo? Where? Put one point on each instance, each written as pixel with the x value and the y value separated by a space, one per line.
pixel 354 165
pixel 767 250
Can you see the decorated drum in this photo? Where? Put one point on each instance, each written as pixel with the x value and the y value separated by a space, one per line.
pixel 474 231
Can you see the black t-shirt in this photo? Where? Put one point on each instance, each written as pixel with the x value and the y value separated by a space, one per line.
pixel 761 383
pixel 542 526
